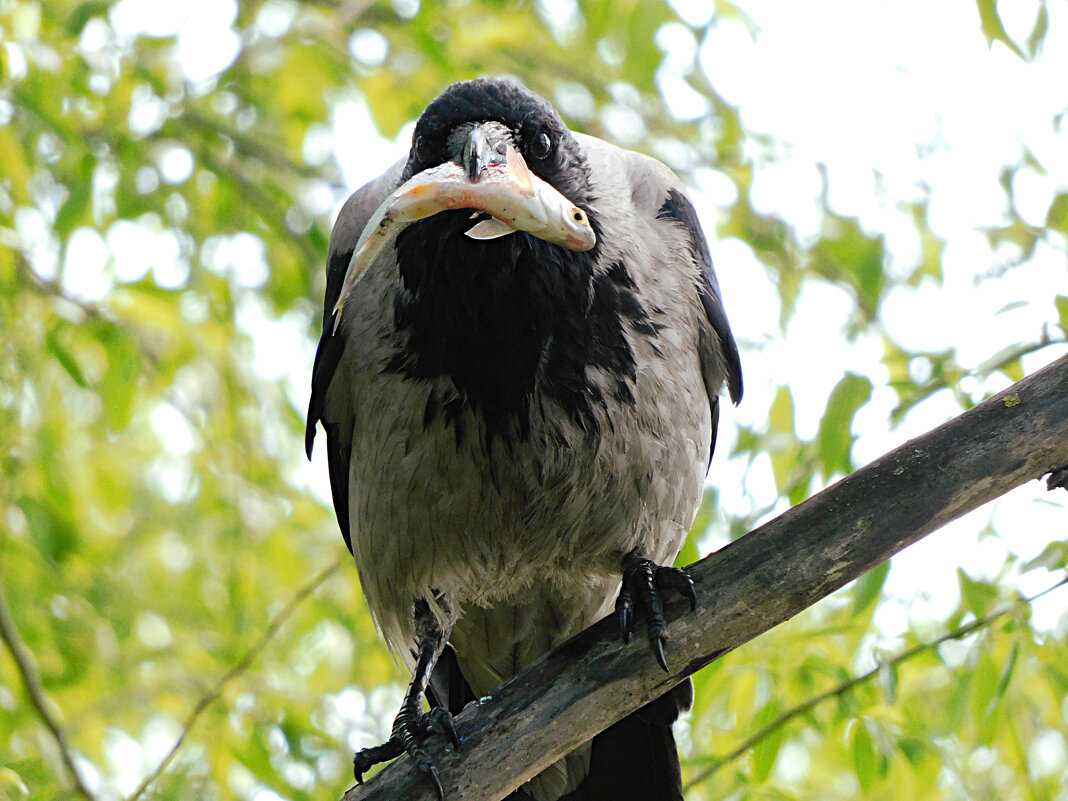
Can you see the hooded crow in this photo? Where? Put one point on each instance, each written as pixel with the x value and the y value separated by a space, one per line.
pixel 518 433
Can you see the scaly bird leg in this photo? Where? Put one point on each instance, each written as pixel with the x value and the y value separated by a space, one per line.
pixel 412 726
pixel 643 580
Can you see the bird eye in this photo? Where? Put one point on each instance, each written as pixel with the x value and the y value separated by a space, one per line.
pixel 542 146
pixel 421 148
pixel 578 215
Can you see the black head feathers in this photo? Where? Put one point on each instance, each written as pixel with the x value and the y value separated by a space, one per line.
pixel 545 142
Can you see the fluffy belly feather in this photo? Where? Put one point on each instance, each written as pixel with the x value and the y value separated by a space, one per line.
pixel 515 522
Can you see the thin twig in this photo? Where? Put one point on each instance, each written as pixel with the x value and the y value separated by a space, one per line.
pixel 32 682
pixel 243 665
pixel 846 686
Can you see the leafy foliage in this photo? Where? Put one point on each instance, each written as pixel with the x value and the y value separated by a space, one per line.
pixel 164 214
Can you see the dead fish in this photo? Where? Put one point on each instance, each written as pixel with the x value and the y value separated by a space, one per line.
pixel 514 197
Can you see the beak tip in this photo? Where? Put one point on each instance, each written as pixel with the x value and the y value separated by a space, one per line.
pixel 478 154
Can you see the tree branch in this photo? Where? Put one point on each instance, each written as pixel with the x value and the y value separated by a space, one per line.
pixel 845 686
pixel 215 693
pixel 32 683
pixel 747 588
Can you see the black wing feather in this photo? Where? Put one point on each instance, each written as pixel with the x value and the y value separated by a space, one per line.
pixel 678 207
pixel 328 354
pixel 327 357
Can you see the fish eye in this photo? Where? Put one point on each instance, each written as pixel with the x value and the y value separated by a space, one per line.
pixel 542 146
pixel 579 216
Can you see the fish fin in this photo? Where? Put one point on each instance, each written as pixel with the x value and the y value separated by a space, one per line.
pixel 490 229
pixel 519 169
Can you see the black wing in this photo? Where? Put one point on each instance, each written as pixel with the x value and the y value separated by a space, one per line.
pixel 677 207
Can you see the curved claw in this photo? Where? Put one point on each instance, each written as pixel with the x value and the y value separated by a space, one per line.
pixel 441 719
pixel 644 579
pixel 429 769
pixel 679 580
pixel 688 592
pixel 658 649
pixel 364 759
pixel 409 730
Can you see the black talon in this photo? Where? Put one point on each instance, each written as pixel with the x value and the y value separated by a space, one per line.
pixel 428 768
pixel 364 759
pixel 679 580
pixel 441 719
pixel 658 649
pixel 645 579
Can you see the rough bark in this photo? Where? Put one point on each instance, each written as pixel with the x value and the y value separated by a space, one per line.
pixel 748 587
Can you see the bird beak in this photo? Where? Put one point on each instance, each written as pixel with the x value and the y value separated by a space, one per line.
pixel 479 153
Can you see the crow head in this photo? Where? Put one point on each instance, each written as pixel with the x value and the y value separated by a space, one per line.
pixel 472 123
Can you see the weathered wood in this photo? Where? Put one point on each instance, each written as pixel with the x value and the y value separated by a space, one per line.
pixel 748 587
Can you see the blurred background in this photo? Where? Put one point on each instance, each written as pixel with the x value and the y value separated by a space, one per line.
pixel 885 190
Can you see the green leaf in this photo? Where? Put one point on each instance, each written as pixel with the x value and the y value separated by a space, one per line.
pixel 82 13
pixel 863 756
pixel 63 355
pixel 978 596
pixel 869 586
pixel 51 531
pixel 73 211
pixel 783 446
pixel 993 29
pixel 119 386
pixel 643 56
pixel 766 751
pixel 985 681
pixel 1006 676
pixel 848 255
pixel 1053 557
pixel 781 417
pixel 1057 214
pixel 914 749
pixel 1039 31
pixel 834 438
pixel 1061 302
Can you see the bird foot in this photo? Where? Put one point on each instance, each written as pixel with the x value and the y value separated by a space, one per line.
pixel 643 581
pixel 411 727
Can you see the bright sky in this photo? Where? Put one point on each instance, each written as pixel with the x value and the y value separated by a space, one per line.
pixel 897 98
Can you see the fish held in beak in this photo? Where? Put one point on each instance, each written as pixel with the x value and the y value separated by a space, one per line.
pixel 515 199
